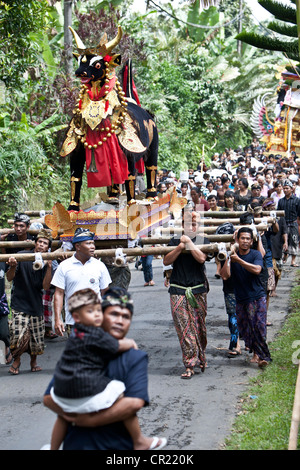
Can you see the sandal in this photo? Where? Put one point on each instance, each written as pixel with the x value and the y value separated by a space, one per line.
pixel 50 335
pixel 7 356
pixel 234 353
pixel 188 374
pixel 14 370
pixel 36 368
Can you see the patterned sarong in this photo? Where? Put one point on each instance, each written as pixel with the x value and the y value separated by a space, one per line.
pixel 190 326
pixel 271 280
pixel 252 325
pixel 47 305
pixel 230 305
pixel 26 334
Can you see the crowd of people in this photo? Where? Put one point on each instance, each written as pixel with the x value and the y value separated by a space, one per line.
pixel 253 181
pixel 80 293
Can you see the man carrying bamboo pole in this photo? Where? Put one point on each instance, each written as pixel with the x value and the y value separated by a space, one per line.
pixel 27 328
pixel 245 266
pixel 188 291
pixel 21 226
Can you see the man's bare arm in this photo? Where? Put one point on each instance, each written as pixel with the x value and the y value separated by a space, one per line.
pixel 119 411
pixel 58 306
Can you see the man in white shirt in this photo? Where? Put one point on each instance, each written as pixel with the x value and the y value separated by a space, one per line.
pixel 80 271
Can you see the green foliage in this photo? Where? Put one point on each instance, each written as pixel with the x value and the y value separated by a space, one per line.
pixel 271 44
pixel 18 19
pixel 24 169
pixel 191 78
pixel 283 40
pixel 280 11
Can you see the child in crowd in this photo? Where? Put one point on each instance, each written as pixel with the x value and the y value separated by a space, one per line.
pixel 80 384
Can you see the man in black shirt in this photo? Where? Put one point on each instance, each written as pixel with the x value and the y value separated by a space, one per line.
pixel 291 205
pixel 188 290
pixel 27 326
pixel 4 311
pixel 21 225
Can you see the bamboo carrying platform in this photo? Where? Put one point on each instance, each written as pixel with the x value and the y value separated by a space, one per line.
pixel 146 221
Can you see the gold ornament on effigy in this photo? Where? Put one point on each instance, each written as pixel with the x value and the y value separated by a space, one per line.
pixel 93 112
pixel 59 219
pixel 128 137
pixel 70 142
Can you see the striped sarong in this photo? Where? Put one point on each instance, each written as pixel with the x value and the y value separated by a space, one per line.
pixel 189 322
pixel 26 334
pixel 252 325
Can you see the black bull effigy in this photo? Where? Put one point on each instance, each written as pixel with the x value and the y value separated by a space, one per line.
pixel 110 132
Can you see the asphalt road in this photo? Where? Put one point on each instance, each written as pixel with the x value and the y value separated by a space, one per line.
pixel 193 414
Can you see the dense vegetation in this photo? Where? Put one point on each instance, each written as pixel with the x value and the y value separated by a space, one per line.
pixel 188 72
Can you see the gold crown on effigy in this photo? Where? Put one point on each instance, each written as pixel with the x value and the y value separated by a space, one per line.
pixel 104 48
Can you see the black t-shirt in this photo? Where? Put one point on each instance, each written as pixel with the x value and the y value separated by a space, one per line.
pixel 228 285
pixel 3 301
pixel 2 278
pixel 187 272
pixel 27 292
pixel 12 237
pixel 277 238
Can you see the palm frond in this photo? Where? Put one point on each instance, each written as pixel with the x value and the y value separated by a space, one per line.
pixel 273 44
pixel 280 11
pixel 286 30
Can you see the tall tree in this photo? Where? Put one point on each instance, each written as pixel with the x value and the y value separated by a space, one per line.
pixel 281 33
pixel 68 37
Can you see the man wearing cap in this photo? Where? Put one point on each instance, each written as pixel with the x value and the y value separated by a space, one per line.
pixel 27 328
pixel 291 205
pixel 80 271
pixel 21 225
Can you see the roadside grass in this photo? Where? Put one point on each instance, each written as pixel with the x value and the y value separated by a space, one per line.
pixel 265 410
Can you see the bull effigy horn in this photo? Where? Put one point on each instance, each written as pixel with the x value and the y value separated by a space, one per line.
pixel 114 42
pixel 79 43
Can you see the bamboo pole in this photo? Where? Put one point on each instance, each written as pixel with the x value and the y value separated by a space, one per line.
pixel 6 231
pixel 220 214
pixel 215 221
pixel 212 238
pixel 295 416
pixel 227 214
pixel 40 221
pixel 158 250
pixel 37 213
pixel 29 244
pixel 210 230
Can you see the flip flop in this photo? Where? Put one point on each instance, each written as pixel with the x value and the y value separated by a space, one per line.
pixel 15 371
pixel 155 441
pixel 188 374
pixel 36 369
pixel 234 353
pixel 7 356
pixel 295 265
pixel 50 335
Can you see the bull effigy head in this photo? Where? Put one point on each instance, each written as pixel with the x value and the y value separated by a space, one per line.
pixel 93 61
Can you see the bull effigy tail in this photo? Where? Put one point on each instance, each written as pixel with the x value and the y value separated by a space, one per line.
pixel 129 87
